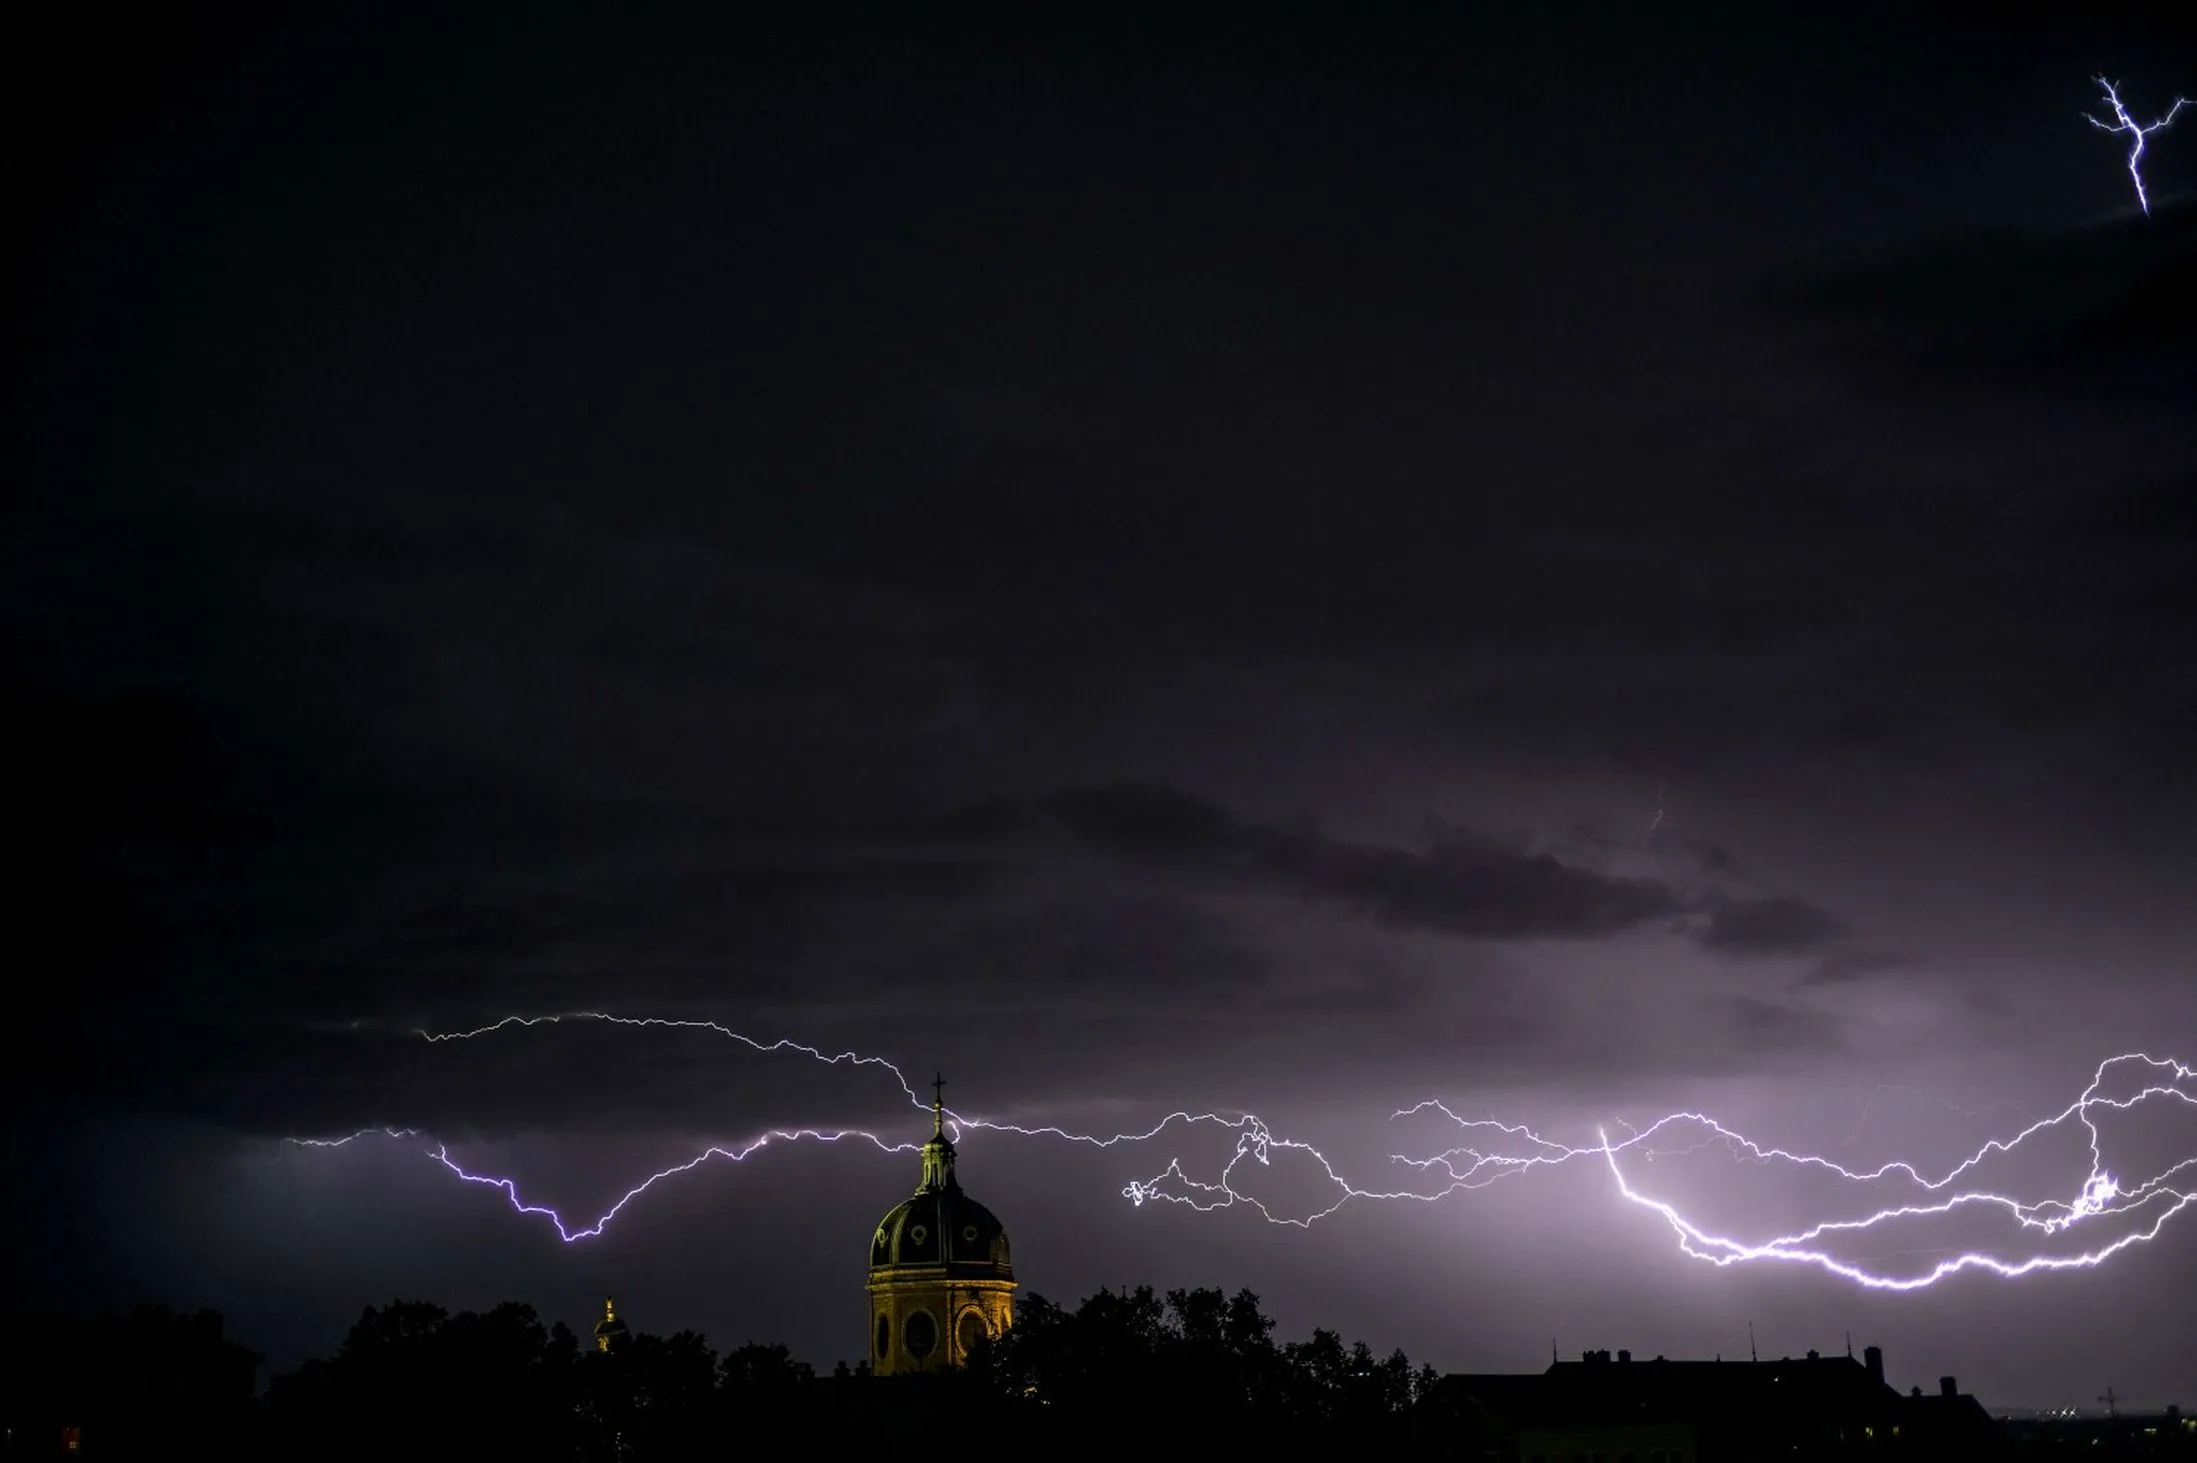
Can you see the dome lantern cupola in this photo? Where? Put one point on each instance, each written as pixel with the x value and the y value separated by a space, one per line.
pixel 938 1154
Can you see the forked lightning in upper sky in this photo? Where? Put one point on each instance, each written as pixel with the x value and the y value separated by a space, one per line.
pixel 2137 132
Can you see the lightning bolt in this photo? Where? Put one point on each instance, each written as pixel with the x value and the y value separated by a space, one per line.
pixel 1496 1150
pixel 350 1138
pixel 568 1233
pixel 2136 131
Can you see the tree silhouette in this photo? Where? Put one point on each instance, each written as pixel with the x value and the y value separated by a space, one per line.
pixel 1190 1368
pixel 1201 1366
pixel 653 1398
pixel 756 1372
pixel 410 1377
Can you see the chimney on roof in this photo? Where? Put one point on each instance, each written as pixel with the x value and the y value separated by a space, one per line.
pixel 1947 1387
pixel 1624 1356
pixel 1872 1357
pixel 1812 1354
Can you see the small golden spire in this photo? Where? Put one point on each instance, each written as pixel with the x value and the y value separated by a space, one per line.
pixel 610 1312
pixel 938 1106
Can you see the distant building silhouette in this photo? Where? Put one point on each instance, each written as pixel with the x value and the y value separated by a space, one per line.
pixel 940 1275
pixel 1599 1410
pixel 610 1332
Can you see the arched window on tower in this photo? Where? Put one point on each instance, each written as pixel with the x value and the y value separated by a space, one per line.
pixel 971 1330
pixel 884 1336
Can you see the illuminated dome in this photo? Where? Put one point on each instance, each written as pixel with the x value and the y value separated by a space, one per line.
pixel 941 1226
pixel 610 1332
pixel 941 1280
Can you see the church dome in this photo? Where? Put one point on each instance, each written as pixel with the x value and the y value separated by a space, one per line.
pixel 940 1226
pixel 942 1282
pixel 610 1332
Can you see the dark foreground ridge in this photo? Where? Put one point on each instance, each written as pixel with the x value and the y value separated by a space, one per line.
pixel 1189 1370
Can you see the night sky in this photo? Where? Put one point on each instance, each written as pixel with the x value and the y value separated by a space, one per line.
pixel 1572 560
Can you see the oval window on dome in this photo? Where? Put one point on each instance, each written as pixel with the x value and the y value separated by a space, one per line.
pixel 920 1335
pixel 917 1233
pixel 968 1234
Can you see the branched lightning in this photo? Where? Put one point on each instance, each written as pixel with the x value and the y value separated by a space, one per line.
pixel 2036 1231
pixel 349 1138
pixel 2137 132
pixel 737 1154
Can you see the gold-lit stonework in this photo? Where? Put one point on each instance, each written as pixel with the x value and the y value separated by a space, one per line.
pixel 610 1332
pixel 940 1277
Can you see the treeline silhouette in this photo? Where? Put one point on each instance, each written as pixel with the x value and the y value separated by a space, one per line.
pixel 414 1380
pixel 1187 1370
pixel 1194 1364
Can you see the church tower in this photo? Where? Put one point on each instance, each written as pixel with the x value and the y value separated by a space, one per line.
pixel 940 1279
pixel 610 1332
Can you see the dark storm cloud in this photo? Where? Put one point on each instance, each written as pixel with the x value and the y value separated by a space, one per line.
pixel 267 956
pixel 2032 389
pixel 1460 883
pixel 1768 1026
pixel 1855 964
pixel 1774 925
pixel 2098 313
pixel 1928 512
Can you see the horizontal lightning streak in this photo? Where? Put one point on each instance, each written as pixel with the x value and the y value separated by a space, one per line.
pixel 1507 1150
pixel 510 1187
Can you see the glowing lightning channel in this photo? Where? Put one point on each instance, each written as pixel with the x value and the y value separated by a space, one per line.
pixel 1499 1150
pixel 571 1232
pixel 2137 132
pixel 350 1138
pixel 568 1234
